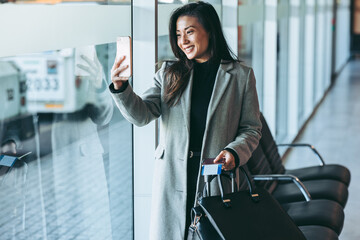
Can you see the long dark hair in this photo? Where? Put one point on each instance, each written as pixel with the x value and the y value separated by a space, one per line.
pixel 178 73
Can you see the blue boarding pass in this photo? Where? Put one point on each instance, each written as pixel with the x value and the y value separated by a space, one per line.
pixel 7 161
pixel 211 169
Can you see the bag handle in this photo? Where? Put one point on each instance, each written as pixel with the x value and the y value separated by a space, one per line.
pixel 227 202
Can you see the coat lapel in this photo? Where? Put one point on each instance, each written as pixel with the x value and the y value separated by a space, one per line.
pixel 221 84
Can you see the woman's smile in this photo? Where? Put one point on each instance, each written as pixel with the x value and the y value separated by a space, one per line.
pixel 189 49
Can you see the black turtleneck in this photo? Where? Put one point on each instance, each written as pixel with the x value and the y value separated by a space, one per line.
pixel 203 84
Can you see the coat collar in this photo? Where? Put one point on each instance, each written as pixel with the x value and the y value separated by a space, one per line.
pixel 221 82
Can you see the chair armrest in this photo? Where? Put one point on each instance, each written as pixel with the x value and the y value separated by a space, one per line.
pixel 322 162
pixel 285 177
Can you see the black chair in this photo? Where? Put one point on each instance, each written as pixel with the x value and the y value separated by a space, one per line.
pixel 322 171
pixel 318 232
pixel 323 182
pixel 318 212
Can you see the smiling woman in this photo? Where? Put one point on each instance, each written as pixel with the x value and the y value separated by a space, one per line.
pixel 191 96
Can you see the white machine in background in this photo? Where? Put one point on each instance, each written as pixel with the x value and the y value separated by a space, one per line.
pixel 12 91
pixel 15 121
pixel 52 85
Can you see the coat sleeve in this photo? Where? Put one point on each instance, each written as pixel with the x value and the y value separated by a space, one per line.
pixel 249 128
pixel 102 110
pixel 141 110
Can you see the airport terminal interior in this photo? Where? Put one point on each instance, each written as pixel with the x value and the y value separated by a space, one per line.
pixel 81 171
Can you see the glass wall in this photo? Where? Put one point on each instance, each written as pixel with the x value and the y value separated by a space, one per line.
pixel 77 181
pixel 251 39
pixel 282 70
pixel 302 17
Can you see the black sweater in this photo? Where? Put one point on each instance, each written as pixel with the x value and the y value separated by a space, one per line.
pixel 203 84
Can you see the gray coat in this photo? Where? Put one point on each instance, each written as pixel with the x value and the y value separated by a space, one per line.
pixel 232 122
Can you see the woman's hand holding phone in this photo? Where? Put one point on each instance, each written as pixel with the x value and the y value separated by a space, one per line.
pixel 122 70
pixel 116 71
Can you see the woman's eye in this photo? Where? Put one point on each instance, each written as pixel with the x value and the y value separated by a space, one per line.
pixel 178 35
pixel 189 32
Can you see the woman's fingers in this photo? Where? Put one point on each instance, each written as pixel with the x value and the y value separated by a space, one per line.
pixel 219 157
pixel 229 162
pixel 115 74
pixel 117 69
pixel 118 62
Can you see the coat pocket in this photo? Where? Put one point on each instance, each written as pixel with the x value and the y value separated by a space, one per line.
pixel 159 152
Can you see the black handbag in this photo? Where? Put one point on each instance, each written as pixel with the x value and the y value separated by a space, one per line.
pixel 251 214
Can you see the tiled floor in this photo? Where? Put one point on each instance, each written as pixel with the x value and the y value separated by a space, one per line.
pixel 335 131
pixel 76 200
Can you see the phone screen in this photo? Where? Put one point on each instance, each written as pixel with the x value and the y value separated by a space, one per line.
pixel 123 46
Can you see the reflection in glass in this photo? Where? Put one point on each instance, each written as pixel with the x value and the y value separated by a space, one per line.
pixel 76 184
pixel 76 149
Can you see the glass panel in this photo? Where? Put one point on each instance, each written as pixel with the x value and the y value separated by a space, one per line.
pixel 165 8
pixel 282 70
pixel 301 113
pixel 251 40
pixel 77 182
pixel 245 38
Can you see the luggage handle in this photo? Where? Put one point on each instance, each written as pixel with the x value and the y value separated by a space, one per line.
pixel 227 202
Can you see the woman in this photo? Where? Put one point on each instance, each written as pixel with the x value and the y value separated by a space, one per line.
pixel 208 107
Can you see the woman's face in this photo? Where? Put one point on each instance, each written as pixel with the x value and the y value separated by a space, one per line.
pixel 192 38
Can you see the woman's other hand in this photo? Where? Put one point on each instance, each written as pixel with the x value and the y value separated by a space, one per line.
pixel 229 163
pixel 115 72
pixel 8 147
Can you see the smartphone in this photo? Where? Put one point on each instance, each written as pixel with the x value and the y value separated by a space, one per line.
pixel 123 48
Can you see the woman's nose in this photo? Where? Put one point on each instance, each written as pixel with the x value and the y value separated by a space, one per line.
pixel 184 40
